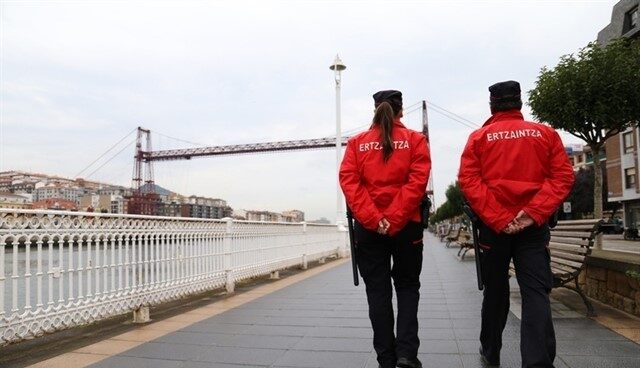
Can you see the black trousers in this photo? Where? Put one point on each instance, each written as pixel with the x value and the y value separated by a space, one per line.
pixel 533 272
pixel 374 255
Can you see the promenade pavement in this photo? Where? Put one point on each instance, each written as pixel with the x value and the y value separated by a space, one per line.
pixel 322 321
pixel 617 243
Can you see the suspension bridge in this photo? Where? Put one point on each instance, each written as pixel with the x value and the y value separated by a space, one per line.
pixel 69 279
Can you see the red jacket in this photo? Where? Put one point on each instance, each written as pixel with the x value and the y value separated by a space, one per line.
pixel 392 190
pixel 510 165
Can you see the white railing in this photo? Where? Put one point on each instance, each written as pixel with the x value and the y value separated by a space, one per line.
pixel 64 269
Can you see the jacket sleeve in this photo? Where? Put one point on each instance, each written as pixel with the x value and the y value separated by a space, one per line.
pixel 556 187
pixel 407 200
pixel 477 193
pixel 356 195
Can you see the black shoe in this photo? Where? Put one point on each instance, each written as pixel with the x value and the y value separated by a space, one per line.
pixel 487 361
pixel 409 363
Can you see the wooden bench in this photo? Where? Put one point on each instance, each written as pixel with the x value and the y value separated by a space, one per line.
pixel 463 238
pixel 446 233
pixel 570 245
pixel 465 246
pixel 453 236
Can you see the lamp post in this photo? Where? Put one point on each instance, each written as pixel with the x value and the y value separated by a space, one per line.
pixel 337 68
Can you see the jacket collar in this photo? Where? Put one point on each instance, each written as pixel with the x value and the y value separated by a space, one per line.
pixel 504 115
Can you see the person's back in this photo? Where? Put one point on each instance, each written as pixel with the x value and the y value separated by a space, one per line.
pixel 515 174
pixel 384 180
pixel 383 176
pixel 516 157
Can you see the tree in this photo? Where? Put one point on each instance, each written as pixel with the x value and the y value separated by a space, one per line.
pixel 593 95
pixel 581 196
pixel 452 207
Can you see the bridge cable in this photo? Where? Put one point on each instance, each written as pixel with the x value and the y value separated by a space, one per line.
pixel 436 107
pixel 182 140
pixel 455 119
pixel 105 153
pixel 407 111
pixel 112 157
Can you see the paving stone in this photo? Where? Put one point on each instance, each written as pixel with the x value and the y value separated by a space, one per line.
pixel 172 351
pixel 134 362
pixel 440 360
pixel 219 328
pixel 438 347
pixel 196 338
pixel 323 322
pixel 601 362
pixel 352 332
pixel 436 334
pixel 270 330
pixel 218 365
pixel 260 342
pixel 598 348
pixel 232 355
pixel 334 344
pixel 322 359
pixel 434 323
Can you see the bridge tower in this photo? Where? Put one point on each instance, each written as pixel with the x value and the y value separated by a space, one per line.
pixel 144 199
pixel 425 131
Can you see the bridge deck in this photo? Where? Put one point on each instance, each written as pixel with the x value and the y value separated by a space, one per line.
pixel 322 321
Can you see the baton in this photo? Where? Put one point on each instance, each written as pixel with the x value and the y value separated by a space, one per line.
pixel 352 242
pixel 476 241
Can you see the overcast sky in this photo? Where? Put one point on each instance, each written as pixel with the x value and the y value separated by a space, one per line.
pixel 78 76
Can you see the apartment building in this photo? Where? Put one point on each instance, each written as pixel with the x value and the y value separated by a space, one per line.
pixel 55 204
pixel 58 190
pixel 581 156
pixel 14 201
pixel 622 149
pixel 293 216
pixel 268 216
pixel 102 203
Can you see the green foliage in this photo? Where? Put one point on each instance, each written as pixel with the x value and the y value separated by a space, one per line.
pixel 592 95
pixel 581 196
pixel 452 207
pixel 633 274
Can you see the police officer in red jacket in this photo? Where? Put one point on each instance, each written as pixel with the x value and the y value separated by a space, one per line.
pixel 383 176
pixel 515 174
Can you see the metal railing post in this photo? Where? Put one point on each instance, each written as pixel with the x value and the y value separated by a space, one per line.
pixel 305 260
pixel 228 267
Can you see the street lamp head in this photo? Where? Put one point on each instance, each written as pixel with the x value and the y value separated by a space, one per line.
pixel 338 65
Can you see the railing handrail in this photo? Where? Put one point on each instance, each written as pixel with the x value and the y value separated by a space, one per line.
pixel 146 217
pixel 77 270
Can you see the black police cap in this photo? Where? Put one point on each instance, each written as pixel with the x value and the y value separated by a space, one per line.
pixel 505 90
pixel 393 97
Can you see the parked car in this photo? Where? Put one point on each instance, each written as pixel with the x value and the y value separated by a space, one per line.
pixel 612 227
pixel 631 233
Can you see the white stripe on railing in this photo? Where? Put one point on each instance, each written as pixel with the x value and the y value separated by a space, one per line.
pixel 108 264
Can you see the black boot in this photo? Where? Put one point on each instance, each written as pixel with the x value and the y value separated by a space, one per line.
pixel 487 361
pixel 409 363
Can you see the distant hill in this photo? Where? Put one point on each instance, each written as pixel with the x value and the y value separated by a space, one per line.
pixel 147 188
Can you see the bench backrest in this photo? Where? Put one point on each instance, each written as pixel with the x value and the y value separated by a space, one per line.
pixel 456 234
pixel 571 242
pixel 463 236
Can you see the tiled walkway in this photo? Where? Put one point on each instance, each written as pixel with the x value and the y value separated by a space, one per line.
pixel 322 322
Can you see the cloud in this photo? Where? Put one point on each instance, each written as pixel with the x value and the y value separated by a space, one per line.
pixel 77 76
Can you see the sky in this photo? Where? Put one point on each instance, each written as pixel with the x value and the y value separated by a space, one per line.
pixel 76 77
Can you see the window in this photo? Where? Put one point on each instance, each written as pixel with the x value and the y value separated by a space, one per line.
pixel 627 141
pixel 630 177
pixel 630 20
